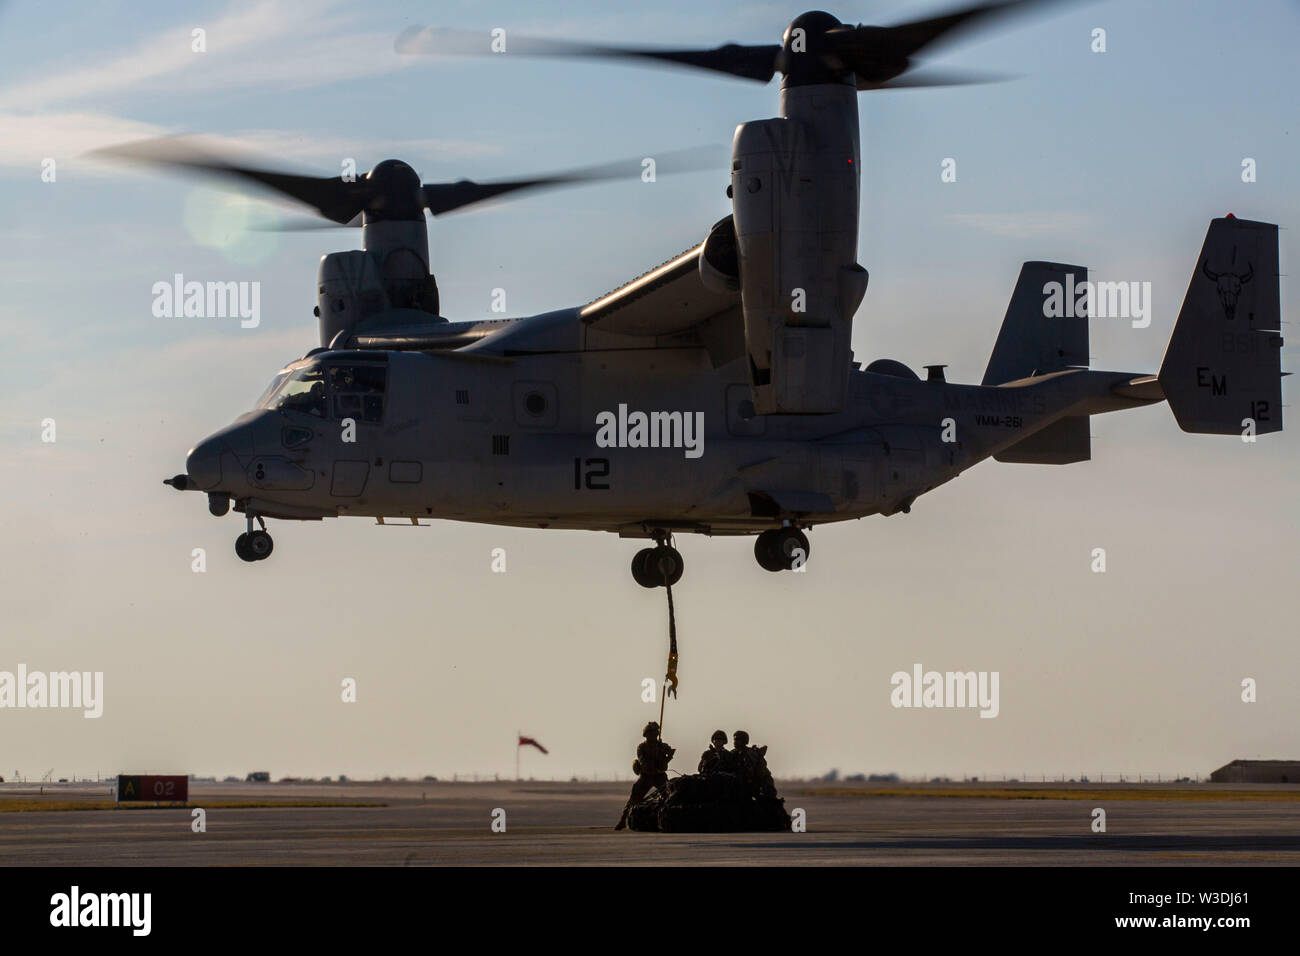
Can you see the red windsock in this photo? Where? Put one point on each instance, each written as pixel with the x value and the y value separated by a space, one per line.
pixel 530 742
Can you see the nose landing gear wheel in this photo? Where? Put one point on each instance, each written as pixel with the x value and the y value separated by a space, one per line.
pixel 261 545
pixel 254 546
pixel 650 565
pixel 776 549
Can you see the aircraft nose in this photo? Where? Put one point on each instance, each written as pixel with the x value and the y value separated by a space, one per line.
pixel 203 464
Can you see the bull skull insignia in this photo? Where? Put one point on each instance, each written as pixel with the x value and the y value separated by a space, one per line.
pixel 1229 284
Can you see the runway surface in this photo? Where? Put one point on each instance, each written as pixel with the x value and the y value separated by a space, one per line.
pixel 441 824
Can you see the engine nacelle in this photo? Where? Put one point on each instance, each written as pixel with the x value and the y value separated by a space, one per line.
pixel 794 188
pixel 349 287
pixel 392 272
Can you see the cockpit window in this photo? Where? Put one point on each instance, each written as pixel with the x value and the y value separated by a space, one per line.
pixel 265 400
pixel 302 391
pixel 358 391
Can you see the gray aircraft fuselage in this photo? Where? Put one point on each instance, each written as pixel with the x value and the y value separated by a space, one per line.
pixel 511 439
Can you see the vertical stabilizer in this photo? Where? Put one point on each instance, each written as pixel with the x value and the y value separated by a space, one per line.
pixel 1223 365
pixel 1046 325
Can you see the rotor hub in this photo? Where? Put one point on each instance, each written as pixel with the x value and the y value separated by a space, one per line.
pixel 397 193
pixel 808 55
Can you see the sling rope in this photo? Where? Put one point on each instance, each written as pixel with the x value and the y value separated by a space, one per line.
pixel 670 678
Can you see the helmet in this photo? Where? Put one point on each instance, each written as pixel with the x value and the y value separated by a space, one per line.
pixel 741 738
pixel 719 735
pixel 651 730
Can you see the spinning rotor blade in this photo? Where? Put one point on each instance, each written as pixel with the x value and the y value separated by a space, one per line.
pixel 878 54
pixel 817 48
pixel 391 190
pixel 908 39
pixel 302 224
pixel 927 79
pixel 445 197
pixel 754 62
pixel 333 197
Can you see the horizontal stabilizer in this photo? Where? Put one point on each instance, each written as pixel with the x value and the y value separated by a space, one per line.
pixel 1061 443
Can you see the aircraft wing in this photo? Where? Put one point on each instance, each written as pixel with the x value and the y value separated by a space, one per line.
pixel 669 299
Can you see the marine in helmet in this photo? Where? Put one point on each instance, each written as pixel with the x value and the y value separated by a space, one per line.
pixel 740 743
pixel 651 768
pixel 717 757
pixel 749 762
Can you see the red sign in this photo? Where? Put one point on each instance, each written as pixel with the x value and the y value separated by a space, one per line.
pixel 156 788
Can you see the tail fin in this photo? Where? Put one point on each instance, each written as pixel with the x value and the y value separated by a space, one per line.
pixel 1046 325
pixel 1045 330
pixel 1224 360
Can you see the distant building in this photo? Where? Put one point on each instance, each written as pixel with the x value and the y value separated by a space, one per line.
pixel 258 776
pixel 1258 771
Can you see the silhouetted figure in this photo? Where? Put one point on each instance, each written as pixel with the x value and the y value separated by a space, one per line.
pixel 651 768
pixel 717 757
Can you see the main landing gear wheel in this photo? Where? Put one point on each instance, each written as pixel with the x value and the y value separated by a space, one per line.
pixel 776 549
pixel 650 565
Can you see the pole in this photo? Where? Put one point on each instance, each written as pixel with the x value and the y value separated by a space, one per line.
pixel 518 734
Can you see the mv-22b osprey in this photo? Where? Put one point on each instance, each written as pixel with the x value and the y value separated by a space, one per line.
pixel 715 394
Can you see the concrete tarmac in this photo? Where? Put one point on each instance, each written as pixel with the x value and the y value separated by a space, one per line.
pixel 448 824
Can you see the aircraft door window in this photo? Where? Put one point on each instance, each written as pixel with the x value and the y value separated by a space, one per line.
pixel 358 392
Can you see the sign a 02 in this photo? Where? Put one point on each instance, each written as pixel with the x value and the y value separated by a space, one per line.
pixel 168 788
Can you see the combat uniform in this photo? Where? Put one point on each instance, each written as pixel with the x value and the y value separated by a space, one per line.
pixel 715 758
pixel 711 761
pixel 741 763
pixel 651 767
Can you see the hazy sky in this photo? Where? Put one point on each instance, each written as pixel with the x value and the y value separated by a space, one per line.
pixel 1115 160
